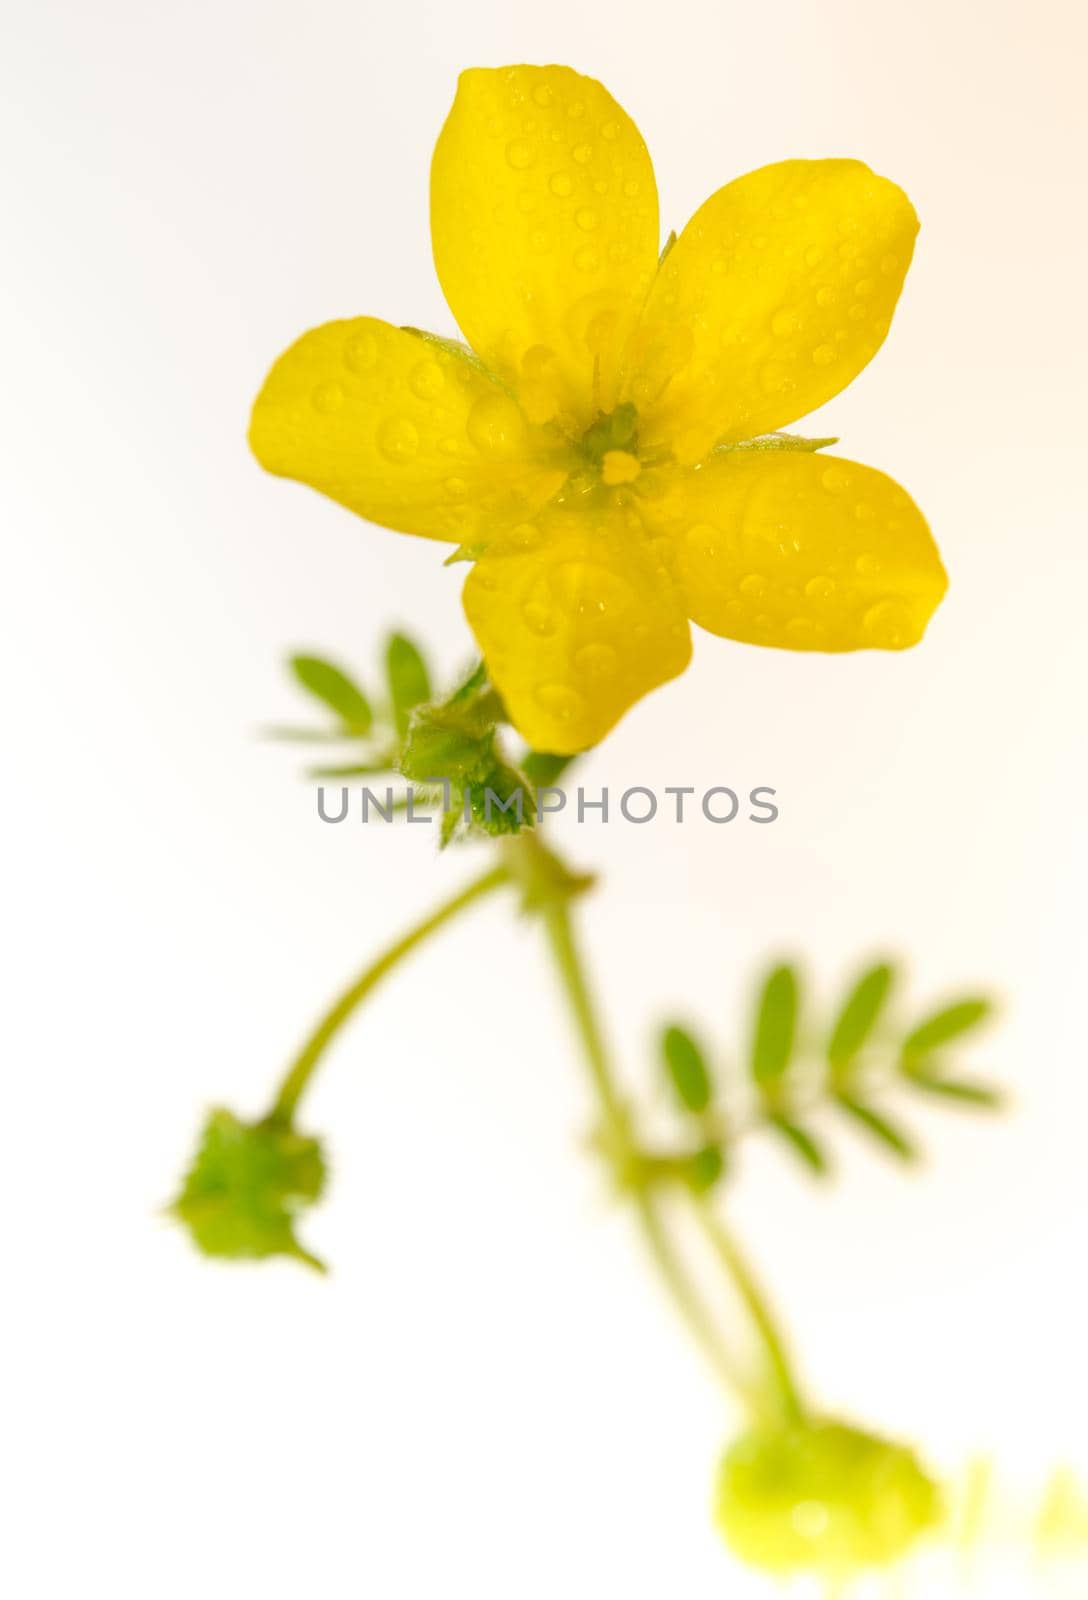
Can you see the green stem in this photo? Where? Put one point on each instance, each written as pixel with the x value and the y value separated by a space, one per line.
pixel 557 923
pixel 302 1068
pixel 744 1281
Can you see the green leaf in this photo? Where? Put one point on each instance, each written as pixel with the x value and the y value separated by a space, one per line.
pixel 704 1168
pixel 246 1187
pixel 800 1141
pixel 948 1023
pixel 364 769
pixel 858 1016
pixel 408 679
pixel 335 689
pixel 687 1069
pixel 967 1092
pixel 776 1025
pixel 885 1132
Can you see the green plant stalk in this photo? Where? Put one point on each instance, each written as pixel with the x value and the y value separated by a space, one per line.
pixel 744 1280
pixel 301 1070
pixel 557 922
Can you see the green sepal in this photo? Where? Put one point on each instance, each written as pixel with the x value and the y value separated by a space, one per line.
pixel 489 802
pixel 542 879
pixel 332 686
pixel 776 441
pixel 246 1187
pixel 465 552
pixel 542 768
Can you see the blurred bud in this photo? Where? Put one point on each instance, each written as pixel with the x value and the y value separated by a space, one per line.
pixel 822 1497
pixel 247 1185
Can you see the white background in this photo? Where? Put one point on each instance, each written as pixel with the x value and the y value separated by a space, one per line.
pixel 489 1396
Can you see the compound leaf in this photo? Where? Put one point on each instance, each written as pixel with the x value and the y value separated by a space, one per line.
pixel 800 1141
pixel 408 679
pixel 327 683
pixel 687 1069
pixel 941 1026
pixel 859 1014
pixel 872 1122
pixel 775 1028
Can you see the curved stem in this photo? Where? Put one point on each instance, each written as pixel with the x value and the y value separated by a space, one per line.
pixel 744 1280
pixel 561 938
pixel 302 1068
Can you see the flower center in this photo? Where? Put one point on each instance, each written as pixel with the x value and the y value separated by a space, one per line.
pixel 610 445
pixel 619 466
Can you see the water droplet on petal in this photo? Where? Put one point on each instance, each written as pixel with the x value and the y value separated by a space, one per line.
pixel 526 536
pixel 596 661
pixel 360 352
pixel 496 426
pixel 542 94
pixel 560 700
pixel 586 219
pixel 426 380
pixel 820 588
pixel 868 566
pixel 823 355
pixel 753 585
pixel 785 321
pixel 327 398
pixel 561 183
pixel 397 439
pixel 538 609
pixel 586 259
pixel 704 541
pixel 888 625
pixel 835 479
pixel 519 154
pixel 582 153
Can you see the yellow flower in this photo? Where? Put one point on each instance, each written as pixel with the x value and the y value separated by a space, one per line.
pixel 606 451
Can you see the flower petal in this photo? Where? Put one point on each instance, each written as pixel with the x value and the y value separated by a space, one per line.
pixel 404 429
pixel 545 232
pixel 577 619
pixel 805 552
pixel 777 293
